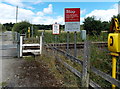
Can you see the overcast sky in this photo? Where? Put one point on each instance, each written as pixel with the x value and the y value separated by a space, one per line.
pixel 44 12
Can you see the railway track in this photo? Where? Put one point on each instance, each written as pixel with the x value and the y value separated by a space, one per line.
pixel 71 45
pixel 78 45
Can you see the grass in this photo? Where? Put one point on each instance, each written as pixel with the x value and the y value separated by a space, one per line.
pixel 3 84
pixel 67 78
pixel 29 58
pixel 100 56
pixel 62 38
pixel 99 59
pixel 49 38
pixel 102 61
pixel 101 37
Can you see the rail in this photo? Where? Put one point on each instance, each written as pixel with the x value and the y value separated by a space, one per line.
pixel 78 45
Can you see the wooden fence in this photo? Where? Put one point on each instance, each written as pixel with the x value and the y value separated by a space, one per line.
pixel 86 68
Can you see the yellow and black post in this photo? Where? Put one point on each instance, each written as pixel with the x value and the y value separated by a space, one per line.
pixel 114 45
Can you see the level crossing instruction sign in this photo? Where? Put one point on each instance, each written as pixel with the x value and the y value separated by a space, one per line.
pixel 72 19
pixel 55 29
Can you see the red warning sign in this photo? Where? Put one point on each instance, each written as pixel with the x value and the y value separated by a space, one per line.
pixel 72 14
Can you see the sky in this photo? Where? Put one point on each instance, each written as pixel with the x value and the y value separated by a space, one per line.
pixel 51 11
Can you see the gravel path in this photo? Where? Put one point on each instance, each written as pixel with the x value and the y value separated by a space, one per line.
pixel 10 67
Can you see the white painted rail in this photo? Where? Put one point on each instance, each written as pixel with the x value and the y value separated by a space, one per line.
pixel 31 45
pixel 33 51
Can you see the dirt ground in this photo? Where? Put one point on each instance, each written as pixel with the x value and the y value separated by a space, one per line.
pixel 24 73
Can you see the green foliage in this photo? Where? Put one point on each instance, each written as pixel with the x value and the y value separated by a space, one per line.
pixel 29 58
pixel 21 27
pixel 62 38
pixel 102 37
pixel 67 78
pixel 81 27
pixel 8 26
pixel 2 28
pixel 3 84
pixel 46 27
pixel 42 27
pixel 106 26
pixel 101 60
pixel 92 26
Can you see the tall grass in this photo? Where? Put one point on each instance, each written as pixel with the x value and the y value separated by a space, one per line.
pixel 61 73
pixel 62 37
pixel 101 37
pixel 101 60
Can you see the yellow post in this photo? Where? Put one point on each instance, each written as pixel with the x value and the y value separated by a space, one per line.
pixel 114 46
pixel 113 69
pixel 28 32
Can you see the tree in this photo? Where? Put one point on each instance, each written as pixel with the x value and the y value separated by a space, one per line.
pixel 92 26
pixel 21 27
pixel 8 26
pixel 2 28
pixel 106 26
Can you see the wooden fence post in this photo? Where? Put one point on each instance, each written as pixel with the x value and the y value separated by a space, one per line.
pixel 86 65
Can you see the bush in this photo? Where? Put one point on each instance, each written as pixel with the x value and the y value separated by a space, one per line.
pixel 21 27
pixel 2 28
pixel 92 26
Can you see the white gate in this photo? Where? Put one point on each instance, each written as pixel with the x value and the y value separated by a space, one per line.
pixel 30 48
pixel 9 44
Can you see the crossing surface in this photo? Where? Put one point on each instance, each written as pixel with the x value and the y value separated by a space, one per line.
pixel 7 46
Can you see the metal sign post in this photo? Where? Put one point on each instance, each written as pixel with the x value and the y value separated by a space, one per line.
pixel 55 31
pixel 68 42
pixel 75 41
pixel 18 44
pixel 32 30
pixel 55 40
